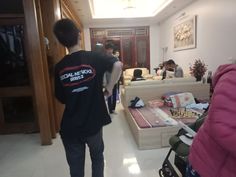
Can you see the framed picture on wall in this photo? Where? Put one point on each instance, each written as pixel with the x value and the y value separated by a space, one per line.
pixel 184 33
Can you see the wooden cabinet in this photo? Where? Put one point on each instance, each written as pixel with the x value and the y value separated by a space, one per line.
pixel 24 97
pixel 133 43
pixel 27 102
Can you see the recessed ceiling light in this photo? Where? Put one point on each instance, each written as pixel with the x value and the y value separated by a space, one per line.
pixel 126 8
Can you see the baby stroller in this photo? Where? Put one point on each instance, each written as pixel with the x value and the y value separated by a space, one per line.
pixel 181 151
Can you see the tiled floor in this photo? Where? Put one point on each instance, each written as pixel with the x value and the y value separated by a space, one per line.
pixel 22 155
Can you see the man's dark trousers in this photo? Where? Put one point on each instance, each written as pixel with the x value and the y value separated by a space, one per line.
pixel 75 154
pixel 111 101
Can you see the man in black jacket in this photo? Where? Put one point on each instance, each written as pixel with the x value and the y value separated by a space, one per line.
pixel 79 85
pixel 111 101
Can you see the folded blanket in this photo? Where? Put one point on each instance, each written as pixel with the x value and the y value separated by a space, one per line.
pixel 198 106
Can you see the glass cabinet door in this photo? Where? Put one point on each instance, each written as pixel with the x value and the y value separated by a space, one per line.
pixel 127 45
pixel 16 92
pixel 142 58
pixel 13 64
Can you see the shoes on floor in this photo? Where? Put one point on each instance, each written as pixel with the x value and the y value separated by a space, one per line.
pixel 113 112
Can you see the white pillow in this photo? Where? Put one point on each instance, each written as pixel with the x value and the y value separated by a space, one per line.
pixel 170 74
pixel 182 99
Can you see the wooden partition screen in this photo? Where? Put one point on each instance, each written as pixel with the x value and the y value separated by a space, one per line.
pixel 133 43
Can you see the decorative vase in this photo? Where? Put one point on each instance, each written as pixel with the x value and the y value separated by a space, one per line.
pixel 209 77
pixel 203 80
pixel 198 78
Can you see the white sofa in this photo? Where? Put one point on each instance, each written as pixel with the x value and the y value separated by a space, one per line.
pixel 128 74
pixel 165 81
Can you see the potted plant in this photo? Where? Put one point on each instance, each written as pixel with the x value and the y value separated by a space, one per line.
pixel 198 69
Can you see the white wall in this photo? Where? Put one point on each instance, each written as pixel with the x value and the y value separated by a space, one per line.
pixel 87 41
pixel 216 33
pixel 155 52
pixel 155 55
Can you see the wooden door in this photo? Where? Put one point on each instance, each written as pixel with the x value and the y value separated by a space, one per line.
pixel 128 52
pixel 115 41
pixel 134 44
pixel 142 52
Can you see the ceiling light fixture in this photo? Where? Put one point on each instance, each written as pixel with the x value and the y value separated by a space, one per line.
pixel 102 9
pixel 129 4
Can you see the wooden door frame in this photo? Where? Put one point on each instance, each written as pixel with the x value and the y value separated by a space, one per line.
pixel 36 62
pixel 50 11
pixel 46 70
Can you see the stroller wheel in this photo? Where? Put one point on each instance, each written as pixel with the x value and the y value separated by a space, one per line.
pixel 161 173
pixel 165 171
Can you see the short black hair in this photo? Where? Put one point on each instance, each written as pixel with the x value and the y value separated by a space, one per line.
pixel 109 46
pixel 170 62
pixel 116 50
pixel 66 32
pixel 137 73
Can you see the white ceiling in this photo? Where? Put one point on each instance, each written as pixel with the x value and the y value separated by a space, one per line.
pixel 82 9
pixel 126 8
